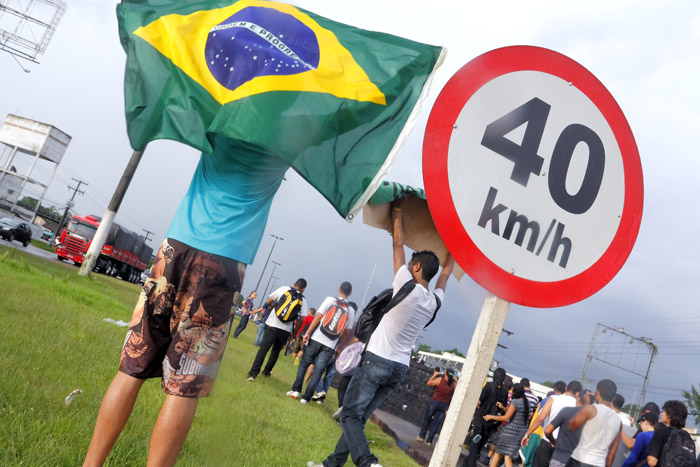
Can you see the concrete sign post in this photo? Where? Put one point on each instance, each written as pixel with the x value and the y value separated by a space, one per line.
pixel 474 371
pixel 534 182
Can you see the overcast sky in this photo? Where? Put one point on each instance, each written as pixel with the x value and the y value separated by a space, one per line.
pixel 645 53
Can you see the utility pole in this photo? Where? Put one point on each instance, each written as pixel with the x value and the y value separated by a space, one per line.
pixel 108 219
pixel 70 204
pixel 267 260
pixel 145 237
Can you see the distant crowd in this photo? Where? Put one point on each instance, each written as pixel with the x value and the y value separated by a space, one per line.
pixel 575 427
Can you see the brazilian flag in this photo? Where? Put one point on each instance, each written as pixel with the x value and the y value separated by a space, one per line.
pixel 334 101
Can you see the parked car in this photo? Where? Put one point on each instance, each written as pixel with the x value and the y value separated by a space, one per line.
pixel 14 229
pixel 47 235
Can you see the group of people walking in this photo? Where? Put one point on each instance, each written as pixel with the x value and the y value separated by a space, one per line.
pixel 575 427
pixel 189 374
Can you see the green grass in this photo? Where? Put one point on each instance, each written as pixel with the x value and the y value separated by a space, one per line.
pixel 42 245
pixel 53 340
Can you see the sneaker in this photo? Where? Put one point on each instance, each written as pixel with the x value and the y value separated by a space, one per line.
pixel 375 465
pixel 428 443
pixel 251 378
pixel 320 401
pixel 293 394
pixel 319 395
pixel 313 464
pixel 418 438
pixel 303 401
pixel 336 414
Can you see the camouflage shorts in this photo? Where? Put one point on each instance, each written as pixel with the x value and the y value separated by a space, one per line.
pixel 182 319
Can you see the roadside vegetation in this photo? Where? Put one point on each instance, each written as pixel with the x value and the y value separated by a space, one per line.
pixel 54 340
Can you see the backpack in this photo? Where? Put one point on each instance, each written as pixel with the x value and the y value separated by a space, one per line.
pixel 380 305
pixel 288 305
pixel 679 450
pixel 349 359
pixel 335 319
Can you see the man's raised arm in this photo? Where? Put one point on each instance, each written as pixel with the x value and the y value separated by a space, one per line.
pixel 397 233
pixel 445 273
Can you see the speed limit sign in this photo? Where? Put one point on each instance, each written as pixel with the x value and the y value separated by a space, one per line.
pixel 533 176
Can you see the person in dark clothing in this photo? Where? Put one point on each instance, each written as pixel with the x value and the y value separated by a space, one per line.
pixel 491 394
pixel 673 415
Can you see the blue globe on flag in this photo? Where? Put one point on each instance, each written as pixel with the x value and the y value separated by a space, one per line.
pixel 259 41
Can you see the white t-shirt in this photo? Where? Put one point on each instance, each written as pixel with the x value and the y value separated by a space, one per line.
pixel 596 436
pixel 399 328
pixel 319 336
pixel 274 321
pixel 559 401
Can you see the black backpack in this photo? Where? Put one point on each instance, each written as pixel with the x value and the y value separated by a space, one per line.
pixel 379 306
pixel 679 450
pixel 335 319
pixel 288 305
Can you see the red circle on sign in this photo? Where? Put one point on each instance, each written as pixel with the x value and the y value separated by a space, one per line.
pixel 452 99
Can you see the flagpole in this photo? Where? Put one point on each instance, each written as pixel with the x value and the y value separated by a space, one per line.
pixel 108 219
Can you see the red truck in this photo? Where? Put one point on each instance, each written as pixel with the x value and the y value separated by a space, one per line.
pixel 124 254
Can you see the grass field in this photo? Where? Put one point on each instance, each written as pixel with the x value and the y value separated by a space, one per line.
pixel 53 340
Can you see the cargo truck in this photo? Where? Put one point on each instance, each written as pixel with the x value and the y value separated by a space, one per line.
pixel 124 254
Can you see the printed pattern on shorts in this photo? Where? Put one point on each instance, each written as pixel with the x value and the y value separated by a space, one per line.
pixel 182 319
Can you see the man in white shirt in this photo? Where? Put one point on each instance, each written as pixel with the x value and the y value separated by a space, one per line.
pixel 601 430
pixel 388 351
pixel 550 410
pixel 277 331
pixel 336 319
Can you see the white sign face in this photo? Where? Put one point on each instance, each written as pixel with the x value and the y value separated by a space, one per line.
pixel 520 224
pixel 532 176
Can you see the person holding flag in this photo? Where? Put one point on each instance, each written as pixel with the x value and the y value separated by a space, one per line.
pixel 258 87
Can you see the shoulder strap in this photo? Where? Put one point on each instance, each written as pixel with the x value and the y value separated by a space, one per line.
pixel 439 304
pixel 403 292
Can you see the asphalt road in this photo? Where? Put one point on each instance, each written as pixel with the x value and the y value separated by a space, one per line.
pixel 30 249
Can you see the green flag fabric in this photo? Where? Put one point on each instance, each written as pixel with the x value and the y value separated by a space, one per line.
pixel 334 101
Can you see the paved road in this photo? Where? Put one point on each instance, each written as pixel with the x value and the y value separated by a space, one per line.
pixel 30 249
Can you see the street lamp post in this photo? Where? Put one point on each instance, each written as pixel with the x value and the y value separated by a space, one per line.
pixel 274 283
pixel 267 260
pixel 262 297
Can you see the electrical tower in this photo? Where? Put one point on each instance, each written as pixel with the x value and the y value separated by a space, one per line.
pixel 27 26
pixel 617 349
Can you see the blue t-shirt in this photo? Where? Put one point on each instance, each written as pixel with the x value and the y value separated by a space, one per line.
pixel 226 207
pixel 640 450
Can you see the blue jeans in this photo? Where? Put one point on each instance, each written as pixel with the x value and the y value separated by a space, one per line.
pixel 241 325
pixel 324 384
pixel 369 387
pixel 436 412
pixel 319 355
pixel 259 335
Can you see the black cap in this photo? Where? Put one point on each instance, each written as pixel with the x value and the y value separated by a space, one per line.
pixel 650 417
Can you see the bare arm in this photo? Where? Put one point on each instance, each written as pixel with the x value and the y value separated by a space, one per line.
pixel 583 415
pixel 312 327
pixel 502 418
pixel 541 417
pixel 613 449
pixel 435 379
pixel 549 433
pixel 445 273
pixel 627 441
pixel 397 233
